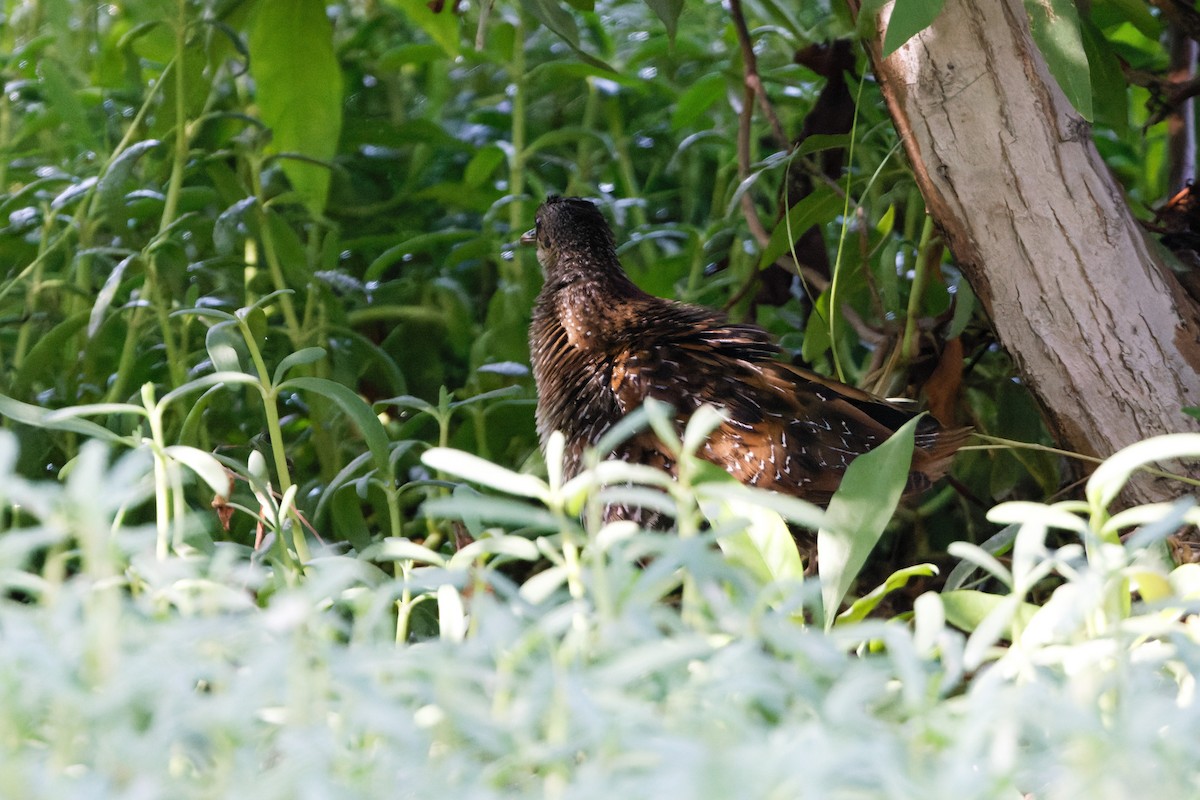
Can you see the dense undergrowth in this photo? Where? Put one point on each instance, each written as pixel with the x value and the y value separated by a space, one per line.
pixel 654 667
pixel 273 518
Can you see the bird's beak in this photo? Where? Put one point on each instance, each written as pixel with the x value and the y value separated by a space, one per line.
pixel 529 236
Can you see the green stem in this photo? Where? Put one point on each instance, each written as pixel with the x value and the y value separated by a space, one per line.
pixel 162 497
pixel 179 164
pixel 927 262
pixel 516 171
pixel 841 248
pixel 275 434
pixel 274 268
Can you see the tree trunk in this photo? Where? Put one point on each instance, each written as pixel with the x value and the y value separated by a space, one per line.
pixel 1101 331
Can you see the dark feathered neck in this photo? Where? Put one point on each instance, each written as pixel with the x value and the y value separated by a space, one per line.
pixel 598 268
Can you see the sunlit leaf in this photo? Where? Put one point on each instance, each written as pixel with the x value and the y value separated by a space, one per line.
pixel 1055 27
pixel 298 86
pixel 858 513
pixel 909 17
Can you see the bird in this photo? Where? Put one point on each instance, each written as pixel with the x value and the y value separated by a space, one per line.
pixel 601 347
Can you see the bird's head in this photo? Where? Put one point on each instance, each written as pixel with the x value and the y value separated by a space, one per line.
pixel 571 235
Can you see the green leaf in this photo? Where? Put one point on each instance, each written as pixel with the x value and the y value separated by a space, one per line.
pixel 966 608
pixel 106 294
pixel 399 549
pixel 1110 477
pixel 64 101
pixel 1108 80
pixel 760 540
pixel 230 227
pixel 111 187
pixel 551 14
pixel 442 25
pixel 909 17
pixel 224 342
pixel 478 470
pixel 37 416
pixel 668 11
pixel 497 510
pixel 697 99
pixel 204 465
pixel 864 605
pixel 357 410
pixel 1055 27
pixel 299 90
pixel 858 513
pixel 816 209
pixel 483 164
pixel 306 356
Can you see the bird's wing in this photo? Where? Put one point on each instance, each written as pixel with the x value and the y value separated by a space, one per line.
pixel 786 428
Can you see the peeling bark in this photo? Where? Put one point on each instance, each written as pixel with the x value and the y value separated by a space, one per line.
pixel 1102 332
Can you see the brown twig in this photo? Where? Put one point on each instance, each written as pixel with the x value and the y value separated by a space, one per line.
pixel 750 73
pixel 753 91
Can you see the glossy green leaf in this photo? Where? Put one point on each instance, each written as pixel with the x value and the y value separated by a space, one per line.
pixel 858 513
pixel 864 605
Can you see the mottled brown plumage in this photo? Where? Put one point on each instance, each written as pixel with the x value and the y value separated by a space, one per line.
pixel 601 346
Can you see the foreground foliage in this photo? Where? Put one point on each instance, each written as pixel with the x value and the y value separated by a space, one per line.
pixel 125 674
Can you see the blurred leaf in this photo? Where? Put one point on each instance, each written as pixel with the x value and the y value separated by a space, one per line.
pixel 668 11
pixel 967 608
pixel 909 17
pixel 399 549
pixel 292 255
pixel 63 98
pixel 230 227
pixel 204 465
pixel 439 21
pixel 299 90
pixel 477 470
pixel 112 184
pixel 452 617
pixel 40 418
pixel 483 165
pixel 551 14
pixel 52 353
pixel 697 99
pixel 105 296
pixel 1110 477
pixel 495 510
